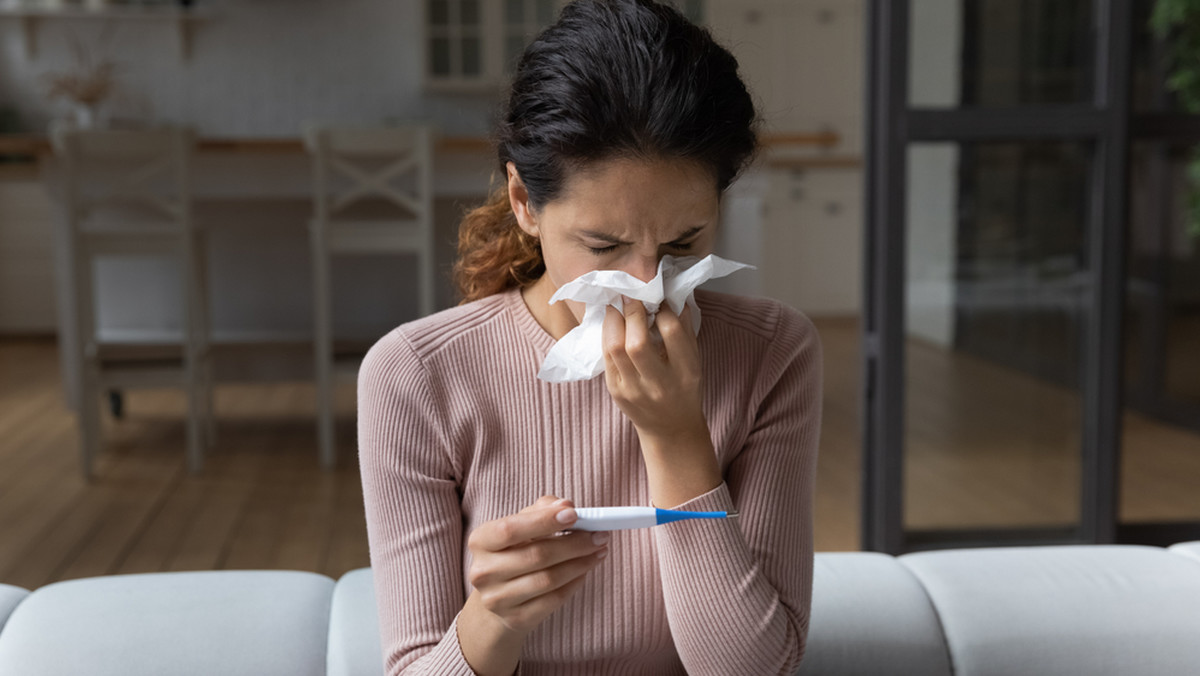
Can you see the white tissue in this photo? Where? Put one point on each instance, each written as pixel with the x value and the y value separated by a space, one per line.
pixel 579 355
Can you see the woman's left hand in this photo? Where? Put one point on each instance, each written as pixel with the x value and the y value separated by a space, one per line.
pixel 657 384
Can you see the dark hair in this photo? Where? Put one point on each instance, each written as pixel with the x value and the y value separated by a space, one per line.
pixel 610 79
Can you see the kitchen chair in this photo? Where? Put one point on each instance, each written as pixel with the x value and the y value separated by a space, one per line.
pixel 127 195
pixel 373 195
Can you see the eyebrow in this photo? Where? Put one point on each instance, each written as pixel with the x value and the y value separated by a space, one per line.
pixel 605 237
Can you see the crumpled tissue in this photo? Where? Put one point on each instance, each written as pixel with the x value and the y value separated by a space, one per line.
pixel 579 355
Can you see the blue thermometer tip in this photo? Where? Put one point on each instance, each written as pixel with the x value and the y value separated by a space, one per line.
pixel 668 515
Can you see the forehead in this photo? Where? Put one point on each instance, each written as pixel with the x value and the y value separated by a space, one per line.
pixel 621 195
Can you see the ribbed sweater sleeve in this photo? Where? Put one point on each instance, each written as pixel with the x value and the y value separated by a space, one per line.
pixel 414 517
pixel 737 593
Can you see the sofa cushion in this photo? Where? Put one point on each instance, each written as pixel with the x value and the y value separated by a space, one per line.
pixel 354 644
pixel 10 596
pixel 1066 610
pixel 871 616
pixel 234 623
pixel 1188 549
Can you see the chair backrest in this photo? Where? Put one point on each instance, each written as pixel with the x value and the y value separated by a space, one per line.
pixel 144 170
pixel 389 166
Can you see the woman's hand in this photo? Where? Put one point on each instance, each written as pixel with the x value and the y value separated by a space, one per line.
pixel 656 383
pixel 658 386
pixel 522 571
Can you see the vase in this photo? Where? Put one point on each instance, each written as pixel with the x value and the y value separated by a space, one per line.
pixel 85 116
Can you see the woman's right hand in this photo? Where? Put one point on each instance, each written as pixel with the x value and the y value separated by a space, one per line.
pixel 522 571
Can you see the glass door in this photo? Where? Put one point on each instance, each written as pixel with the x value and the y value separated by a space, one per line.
pixel 1160 466
pixel 993 292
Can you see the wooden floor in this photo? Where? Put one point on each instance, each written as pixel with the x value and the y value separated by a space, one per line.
pixel 260 502
pixel 986 447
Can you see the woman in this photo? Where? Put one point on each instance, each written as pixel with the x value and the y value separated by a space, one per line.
pixel 624 125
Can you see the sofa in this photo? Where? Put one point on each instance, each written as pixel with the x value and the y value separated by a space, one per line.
pixel 1077 609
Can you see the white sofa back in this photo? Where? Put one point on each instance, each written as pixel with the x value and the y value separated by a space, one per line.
pixel 1082 609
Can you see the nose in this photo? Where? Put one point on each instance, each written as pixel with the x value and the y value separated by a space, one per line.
pixel 644 268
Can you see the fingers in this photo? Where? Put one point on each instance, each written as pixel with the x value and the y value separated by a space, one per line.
pixel 630 345
pixel 533 611
pixel 523 566
pixel 678 336
pixel 544 501
pixel 541 519
pixel 521 573
pixel 539 582
pixel 616 362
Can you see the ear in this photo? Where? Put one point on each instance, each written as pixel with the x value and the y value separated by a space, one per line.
pixel 518 199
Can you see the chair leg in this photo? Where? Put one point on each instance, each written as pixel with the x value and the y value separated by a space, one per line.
pixel 116 404
pixel 196 400
pixel 210 405
pixel 195 431
pixel 325 420
pixel 195 339
pixel 323 356
pixel 89 424
pixel 202 337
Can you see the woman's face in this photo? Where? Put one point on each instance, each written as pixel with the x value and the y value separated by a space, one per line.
pixel 622 214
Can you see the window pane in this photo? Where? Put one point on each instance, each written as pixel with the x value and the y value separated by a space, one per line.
pixel 471 64
pixel 998 53
pixel 996 295
pixel 514 12
pixel 439 56
pixel 1159 473
pixel 470 12
pixel 439 12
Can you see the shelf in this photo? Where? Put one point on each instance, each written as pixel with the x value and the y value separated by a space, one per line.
pixel 183 18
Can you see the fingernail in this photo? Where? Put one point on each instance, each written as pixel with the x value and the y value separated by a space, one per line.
pixel 561 502
pixel 565 516
pixel 599 538
pixel 602 553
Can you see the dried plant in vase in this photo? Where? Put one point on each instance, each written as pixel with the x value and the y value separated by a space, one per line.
pixel 89 82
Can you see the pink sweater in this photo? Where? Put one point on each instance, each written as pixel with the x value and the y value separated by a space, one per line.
pixel 455 430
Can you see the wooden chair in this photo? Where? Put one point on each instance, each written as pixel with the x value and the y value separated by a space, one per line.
pixel 373 195
pixel 127 194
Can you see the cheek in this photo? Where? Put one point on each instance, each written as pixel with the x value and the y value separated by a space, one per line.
pixel 564 266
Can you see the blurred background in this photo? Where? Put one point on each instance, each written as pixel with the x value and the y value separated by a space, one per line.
pixel 988 207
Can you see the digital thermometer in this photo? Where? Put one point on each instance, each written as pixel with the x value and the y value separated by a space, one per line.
pixel 628 518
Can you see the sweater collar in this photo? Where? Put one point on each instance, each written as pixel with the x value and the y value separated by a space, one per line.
pixel 526 322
